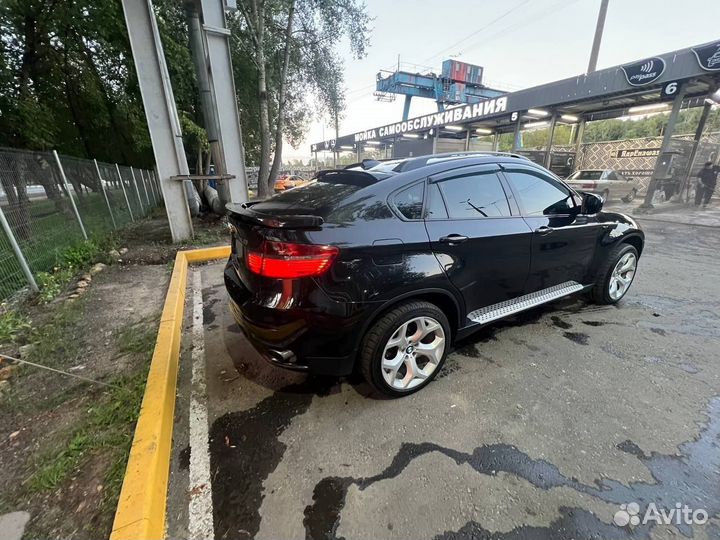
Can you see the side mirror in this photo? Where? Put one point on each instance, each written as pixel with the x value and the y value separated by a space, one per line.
pixel 592 203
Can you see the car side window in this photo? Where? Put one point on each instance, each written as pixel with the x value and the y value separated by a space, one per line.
pixel 435 207
pixel 409 201
pixel 476 195
pixel 612 176
pixel 540 195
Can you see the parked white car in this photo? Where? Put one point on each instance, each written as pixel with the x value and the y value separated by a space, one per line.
pixel 606 182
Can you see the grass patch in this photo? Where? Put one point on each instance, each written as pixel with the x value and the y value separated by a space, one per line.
pixel 139 337
pixel 13 326
pixel 70 261
pixel 48 230
pixel 107 425
pixel 52 283
pixel 58 341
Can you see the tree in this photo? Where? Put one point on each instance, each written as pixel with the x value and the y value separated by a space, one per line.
pixel 292 45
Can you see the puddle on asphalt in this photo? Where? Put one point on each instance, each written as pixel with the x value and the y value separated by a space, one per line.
pixel 557 321
pixel 245 448
pixel 577 337
pixel 692 477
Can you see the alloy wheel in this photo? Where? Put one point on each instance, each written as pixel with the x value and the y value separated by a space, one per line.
pixel 622 276
pixel 413 353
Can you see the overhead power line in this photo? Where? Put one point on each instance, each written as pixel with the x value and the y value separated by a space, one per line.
pixel 476 32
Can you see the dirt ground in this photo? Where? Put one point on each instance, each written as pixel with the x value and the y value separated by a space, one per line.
pixel 64 441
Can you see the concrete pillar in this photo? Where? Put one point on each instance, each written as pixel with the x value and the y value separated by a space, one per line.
pixel 693 153
pixel 516 134
pixel 652 187
pixel 551 138
pixel 406 107
pixel 222 85
pixel 160 113
pixel 579 132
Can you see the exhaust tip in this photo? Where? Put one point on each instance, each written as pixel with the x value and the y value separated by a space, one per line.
pixel 282 357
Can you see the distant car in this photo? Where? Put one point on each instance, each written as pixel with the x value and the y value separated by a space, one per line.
pixel 288 181
pixel 606 182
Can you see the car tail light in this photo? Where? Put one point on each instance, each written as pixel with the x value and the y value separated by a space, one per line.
pixel 588 185
pixel 286 260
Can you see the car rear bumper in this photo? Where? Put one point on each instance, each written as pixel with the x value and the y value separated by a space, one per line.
pixel 322 339
pixel 578 186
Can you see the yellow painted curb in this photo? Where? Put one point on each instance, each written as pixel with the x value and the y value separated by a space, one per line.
pixel 140 513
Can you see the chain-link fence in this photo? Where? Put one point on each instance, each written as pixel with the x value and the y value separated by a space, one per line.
pixel 50 202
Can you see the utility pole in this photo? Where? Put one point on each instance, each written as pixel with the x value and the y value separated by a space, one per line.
pixel 337 136
pixel 209 42
pixel 667 137
pixel 592 65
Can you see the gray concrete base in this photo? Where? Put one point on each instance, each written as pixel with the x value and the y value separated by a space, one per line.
pixel 12 525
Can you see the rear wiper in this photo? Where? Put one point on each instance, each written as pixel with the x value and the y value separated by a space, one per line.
pixel 476 208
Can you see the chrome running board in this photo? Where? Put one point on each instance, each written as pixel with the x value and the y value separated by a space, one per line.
pixel 521 303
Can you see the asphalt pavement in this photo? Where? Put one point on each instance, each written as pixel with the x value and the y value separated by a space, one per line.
pixel 545 425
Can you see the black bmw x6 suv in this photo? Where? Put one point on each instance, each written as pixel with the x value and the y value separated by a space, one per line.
pixel 380 270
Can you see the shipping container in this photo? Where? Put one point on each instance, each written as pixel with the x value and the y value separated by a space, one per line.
pixel 462 72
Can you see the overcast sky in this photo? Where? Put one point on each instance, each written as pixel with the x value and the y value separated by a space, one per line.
pixel 520 43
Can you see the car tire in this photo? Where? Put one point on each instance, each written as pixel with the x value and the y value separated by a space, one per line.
pixel 630 196
pixel 378 349
pixel 604 291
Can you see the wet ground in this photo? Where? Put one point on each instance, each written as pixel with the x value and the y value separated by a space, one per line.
pixel 540 426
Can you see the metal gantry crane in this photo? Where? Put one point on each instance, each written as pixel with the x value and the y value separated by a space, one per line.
pixel 458 82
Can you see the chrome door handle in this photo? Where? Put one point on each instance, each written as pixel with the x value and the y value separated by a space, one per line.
pixel 453 239
pixel 544 230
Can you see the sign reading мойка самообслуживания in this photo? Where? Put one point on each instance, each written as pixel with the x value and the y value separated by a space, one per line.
pixel 461 113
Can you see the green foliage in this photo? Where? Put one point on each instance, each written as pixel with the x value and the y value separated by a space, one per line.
pixel 67 78
pixel 71 260
pixel 107 425
pixel 68 81
pixel 617 129
pixel 13 326
pixel 86 253
pixel 315 68
pixel 139 338
pixel 57 342
pixel 52 283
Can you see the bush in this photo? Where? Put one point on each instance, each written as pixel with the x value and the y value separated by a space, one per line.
pixel 52 283
pixel 71 260
pixel 13 326
pixel 83 255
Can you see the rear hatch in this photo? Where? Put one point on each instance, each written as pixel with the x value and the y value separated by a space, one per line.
pixel 271 239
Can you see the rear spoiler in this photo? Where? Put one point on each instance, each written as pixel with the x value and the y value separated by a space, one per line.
pixel 347 177
pixel 365 164
pixel 299 221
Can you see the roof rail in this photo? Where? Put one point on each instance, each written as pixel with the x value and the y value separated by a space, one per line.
pixel 412 163
pixel 475 153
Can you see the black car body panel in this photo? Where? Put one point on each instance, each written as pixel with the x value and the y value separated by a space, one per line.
pixel 394 243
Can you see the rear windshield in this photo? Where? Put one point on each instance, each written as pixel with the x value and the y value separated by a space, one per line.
pixel 586 175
